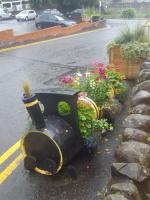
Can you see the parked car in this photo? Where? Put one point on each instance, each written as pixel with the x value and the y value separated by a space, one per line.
pixel 54 12
pixel 46 19
pixel 26 15
pixel 5 14
pixel 75 15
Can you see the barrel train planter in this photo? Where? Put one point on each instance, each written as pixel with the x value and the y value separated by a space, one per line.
pixel 53 139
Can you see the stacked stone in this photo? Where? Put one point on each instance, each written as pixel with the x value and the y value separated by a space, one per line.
pixel 131 172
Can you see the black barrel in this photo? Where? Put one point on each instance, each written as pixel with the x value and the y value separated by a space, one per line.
pixel 33 108
pixel 47 151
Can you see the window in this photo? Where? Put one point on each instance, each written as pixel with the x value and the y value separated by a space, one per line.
pixel 15 3
pixel 7 5
pixel 44 16
pixel 25 2
pixel 31 11
pixel 52 18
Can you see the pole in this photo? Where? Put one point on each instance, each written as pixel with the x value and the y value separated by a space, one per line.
pixel 100 5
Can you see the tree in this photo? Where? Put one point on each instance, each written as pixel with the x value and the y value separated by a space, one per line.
pixel 63 5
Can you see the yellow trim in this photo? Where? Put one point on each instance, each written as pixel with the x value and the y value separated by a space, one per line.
pixel 59 150
pixel 31 103
pixel 97 110
pixel 92 104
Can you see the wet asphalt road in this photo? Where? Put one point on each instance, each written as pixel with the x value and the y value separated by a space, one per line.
pixel 42 64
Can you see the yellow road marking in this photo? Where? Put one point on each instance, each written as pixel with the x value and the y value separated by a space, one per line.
pixel 10 168
pixel 50 40
pixel 9 152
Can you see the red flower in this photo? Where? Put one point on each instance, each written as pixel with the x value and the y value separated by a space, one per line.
pixel 97 78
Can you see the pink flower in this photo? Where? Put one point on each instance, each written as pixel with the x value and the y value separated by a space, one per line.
pixel 118 68
pixel 66 79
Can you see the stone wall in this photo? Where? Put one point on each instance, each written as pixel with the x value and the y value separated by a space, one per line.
pixel 131 170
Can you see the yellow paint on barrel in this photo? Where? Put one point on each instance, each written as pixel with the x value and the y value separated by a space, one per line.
pixel 10 168
pixel 9 152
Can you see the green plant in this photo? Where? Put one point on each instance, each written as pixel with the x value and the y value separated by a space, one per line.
pixel 122 92
pixel 132 35
pixel 89 12
pixel 101 84
pixel 133 42
pixel 63 108
pixel 129 13
pixel 126 35
pixel 89 126
pixel 135 50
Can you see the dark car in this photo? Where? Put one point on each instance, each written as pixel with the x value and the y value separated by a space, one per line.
pixel 46 19
pixel 75 15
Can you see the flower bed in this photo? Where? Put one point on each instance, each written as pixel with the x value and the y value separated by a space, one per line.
pixel 103 84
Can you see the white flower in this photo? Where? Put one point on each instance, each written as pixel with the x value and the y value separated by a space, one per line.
pixel 87 74
pixel 79 74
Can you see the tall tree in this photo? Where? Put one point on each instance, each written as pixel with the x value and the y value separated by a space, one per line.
pixel 63 5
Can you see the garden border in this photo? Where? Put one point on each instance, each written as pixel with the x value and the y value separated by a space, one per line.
pixel 8 38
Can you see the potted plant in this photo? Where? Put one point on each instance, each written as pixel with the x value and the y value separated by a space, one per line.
pixel 90 126
pixel 129 50
pixel 90 14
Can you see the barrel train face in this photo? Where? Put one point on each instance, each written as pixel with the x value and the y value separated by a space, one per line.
pixel 53 139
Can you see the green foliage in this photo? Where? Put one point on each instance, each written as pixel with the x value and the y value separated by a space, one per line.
pixel 62 5
pixel 122 92
pixel 97 91
pixel 126 35
pixel 132 35
pixel 147 197
pixel 129 13
pixel 90 11
pixel 135 50
pixel 63 108
pixel 88 125
pixel 139 34
pixel 134 43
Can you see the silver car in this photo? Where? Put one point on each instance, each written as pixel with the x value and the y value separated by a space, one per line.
pixel 26 15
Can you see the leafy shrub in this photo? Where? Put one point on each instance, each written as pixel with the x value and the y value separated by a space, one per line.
pixel 127 35
pixel 88 125
pixel 134 43
pixel 89 12
pixel 129 13
pixel 135 50
pixel 101 84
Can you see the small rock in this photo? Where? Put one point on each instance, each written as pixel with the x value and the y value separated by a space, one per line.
pixel 144 75
pixel 137 121
pixel 126 188
pixel 133 171
pixel 141 97
pixel 136 135
pixel 141 109
pixel 115 197
pixel 146 65
pixel 145 85
pixel 134 152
